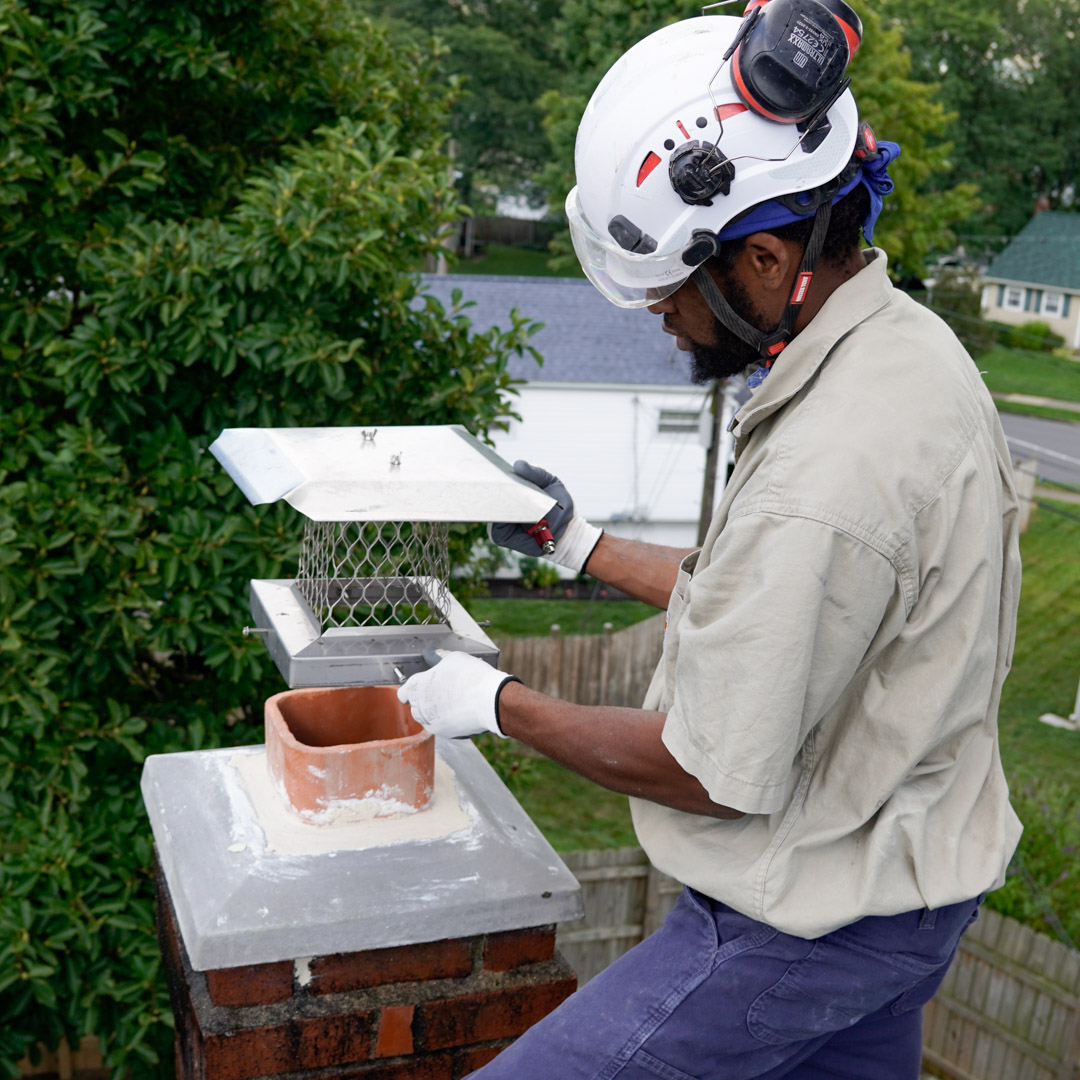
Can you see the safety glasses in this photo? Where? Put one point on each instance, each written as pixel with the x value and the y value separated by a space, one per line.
pixel 627 279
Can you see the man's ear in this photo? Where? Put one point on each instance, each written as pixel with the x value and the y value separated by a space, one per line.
pixel 769 260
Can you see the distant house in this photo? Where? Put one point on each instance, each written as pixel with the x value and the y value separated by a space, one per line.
pixel 611 411
pixel 1037 277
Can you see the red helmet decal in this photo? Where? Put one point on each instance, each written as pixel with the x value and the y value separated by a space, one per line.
pixel 647 166
pixel 724 112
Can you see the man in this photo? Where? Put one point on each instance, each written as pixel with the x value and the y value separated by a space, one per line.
pixel 816 759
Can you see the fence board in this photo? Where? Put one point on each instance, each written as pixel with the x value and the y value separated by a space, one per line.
pixel 589 669
pixel 1009 1009
pixel 84 1062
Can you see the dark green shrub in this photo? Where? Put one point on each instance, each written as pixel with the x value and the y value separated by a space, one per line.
pixel 538 573
pixel 1036 336
pixel 208 218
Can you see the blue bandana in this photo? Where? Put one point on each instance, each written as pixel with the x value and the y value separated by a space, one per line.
pixel 873 175
pixel 757 377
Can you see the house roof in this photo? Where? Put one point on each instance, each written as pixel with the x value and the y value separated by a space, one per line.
pixel 585 339
pixel 1045 252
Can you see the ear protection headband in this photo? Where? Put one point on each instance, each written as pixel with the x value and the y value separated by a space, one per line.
pixel 790 56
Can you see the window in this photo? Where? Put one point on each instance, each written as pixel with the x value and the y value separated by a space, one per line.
pixel 1052 303
pixel 1014 298
pixel 679 421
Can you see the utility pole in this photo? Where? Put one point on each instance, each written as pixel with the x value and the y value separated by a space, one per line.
pixel 712 456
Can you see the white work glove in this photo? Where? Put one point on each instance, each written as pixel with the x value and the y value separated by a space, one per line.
pixel 458 697
pixel 575 538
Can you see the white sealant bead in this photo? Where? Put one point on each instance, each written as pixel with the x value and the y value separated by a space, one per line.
pixel 302 970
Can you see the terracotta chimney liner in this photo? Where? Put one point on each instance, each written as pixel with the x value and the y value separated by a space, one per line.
pixel 327 745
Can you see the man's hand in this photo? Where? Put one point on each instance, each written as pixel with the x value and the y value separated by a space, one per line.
pixel 575 538
pixel 458 697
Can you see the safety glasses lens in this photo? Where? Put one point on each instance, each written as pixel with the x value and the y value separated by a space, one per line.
pixel 628 281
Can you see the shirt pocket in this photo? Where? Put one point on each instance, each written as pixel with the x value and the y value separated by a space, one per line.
pixel 680 597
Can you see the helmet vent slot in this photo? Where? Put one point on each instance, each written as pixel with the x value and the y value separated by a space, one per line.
pixel 651 161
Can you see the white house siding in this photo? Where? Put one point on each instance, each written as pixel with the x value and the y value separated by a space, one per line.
pixel 603 442
pixel 1029 304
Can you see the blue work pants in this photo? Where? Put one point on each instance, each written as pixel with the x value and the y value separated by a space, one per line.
pixel 714 995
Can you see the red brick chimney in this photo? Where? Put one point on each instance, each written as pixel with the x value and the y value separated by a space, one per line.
pixel 431 1011
pixel 400 959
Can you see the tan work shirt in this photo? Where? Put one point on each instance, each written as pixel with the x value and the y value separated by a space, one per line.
pixel 835 652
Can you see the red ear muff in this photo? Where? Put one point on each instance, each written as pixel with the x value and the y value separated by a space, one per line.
pixel 793 55
pixel 849 22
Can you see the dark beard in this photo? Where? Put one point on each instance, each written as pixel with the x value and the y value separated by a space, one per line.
pixel 729 355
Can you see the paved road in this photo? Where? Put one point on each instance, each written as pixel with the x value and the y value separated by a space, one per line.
pixel 1056 443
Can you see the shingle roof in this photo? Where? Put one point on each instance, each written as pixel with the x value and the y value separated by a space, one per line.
pixel 585 339
pixel 1045 252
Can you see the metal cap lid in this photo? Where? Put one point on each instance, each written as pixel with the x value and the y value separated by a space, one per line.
pixel 433 473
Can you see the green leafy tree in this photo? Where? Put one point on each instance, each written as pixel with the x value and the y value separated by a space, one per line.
pixel 918 216
pixel 209 215
pixel 899 107
pixel 500 57
pixel 593 37
pixel 1010 75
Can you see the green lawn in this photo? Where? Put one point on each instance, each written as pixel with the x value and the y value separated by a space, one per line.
pixel 1038 410
pixel 535 617
pixel 572 812
pixel 1015 371
pixel 1043 763
pixel 504 259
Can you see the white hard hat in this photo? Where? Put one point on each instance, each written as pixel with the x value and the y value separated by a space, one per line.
pixel 668 156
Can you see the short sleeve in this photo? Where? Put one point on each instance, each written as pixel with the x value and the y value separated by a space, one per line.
pixel 776 625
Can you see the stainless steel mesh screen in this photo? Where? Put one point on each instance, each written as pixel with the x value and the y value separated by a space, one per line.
pixel 361 573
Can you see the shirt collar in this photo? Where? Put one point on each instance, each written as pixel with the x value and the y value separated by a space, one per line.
pixel 848 306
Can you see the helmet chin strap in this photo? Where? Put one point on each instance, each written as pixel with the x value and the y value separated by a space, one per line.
pixel 770 345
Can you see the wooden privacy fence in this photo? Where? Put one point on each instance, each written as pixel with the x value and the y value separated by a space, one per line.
pixel 507 230
pixel 1009 1008
pixel 626 899
pixel 613 668
pixel 84 1062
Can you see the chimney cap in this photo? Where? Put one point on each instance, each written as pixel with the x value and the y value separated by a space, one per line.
pixel 241 903
pixel 418 473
